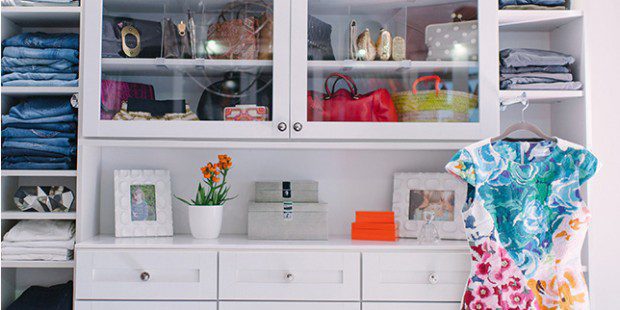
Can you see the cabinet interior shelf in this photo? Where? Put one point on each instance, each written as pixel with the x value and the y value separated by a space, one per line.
pixel 19 215
pixel 390 66
pixel 41 16
pixel 38 264
pixel 39 173
pixel 25 91
pixel 542 96
pixel 169 67
pixel 516 20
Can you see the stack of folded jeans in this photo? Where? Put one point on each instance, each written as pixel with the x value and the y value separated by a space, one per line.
pixel 40 59
pixel 40 134
pixel 533 4
pixel 531 69
pixel 40 2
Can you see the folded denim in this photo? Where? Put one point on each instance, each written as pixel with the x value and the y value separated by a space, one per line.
pixel 525 57
pixel 59 142
pixel 44 40
pixel 547 69
pixel 547 86
pixel 39 69
pixel 47 83
pixel 60 64
pixel 42 53
pixel 559 77
pixel 503 3
pixel 534 7
pixel 70 127
pixel 504 84
pixel 35 133
pixel 61 150
pixel 36 159
pixel 8 119
pixel 15 76
pixel 36 166
pixel 40 2
pixel 42 107
pixel 17 151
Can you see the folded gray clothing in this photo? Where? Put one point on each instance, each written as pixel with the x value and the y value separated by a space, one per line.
pixel 547 69
pixel 560 77
pixel 546 86
pixel 40 3
pixel 525 57
pixel 534 7
pixel 527 80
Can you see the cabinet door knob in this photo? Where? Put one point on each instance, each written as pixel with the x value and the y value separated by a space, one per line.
pixel 289 277
pixel 433 278
pixel 282 126
pixel 297 127
pixel 145 276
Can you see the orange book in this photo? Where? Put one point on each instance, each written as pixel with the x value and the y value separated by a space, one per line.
pixel 374 217
pixel 374 235
pixel 374 226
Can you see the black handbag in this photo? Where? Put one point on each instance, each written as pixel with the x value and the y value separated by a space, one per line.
pixel 127 37
pixel 157 108
pixel 177 39
pixel 319 40
pixel 236 88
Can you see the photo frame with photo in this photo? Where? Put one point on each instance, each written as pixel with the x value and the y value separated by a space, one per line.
pixel 438 193
pixel 143 203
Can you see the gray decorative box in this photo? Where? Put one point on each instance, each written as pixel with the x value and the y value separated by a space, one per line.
pixel 295 191
pixel 287 221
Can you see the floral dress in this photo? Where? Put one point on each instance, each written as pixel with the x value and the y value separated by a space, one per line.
pixel 526 222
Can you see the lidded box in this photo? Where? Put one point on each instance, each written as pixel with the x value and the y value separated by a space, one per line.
pixel 287 221
pixel 280 191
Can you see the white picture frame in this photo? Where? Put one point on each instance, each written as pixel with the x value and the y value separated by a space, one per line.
pixel 143 203
pixel 432 192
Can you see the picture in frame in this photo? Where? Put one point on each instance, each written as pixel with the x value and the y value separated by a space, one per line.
pixel 438 193
pixel 143 203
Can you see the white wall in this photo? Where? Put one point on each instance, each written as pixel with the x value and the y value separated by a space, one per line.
pixel 603 46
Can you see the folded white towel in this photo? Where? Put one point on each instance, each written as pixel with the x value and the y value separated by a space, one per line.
pixel 18 251
pixel 45 257
pixel 33 230
pixel 69 244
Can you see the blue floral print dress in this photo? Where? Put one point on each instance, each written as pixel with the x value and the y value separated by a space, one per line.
pixel 525 222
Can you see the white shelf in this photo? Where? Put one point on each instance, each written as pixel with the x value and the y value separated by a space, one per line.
pixel 168 67
pixel 39 173
pixel 526 20
pixel 22 91
pixel 52 16
pixel 542 96
pixel 389 66
pixel 38 264
pixel 242 242
pixel 19 215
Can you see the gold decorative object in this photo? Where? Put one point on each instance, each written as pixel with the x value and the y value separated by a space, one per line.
pixel 131 52
pixel 384 45
pixel 181 27
pixel 399 49
pixel 366 48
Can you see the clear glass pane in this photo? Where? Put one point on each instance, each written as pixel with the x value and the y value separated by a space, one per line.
pixel 393 61
pixel 187 60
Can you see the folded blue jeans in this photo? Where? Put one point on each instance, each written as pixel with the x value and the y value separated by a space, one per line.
pixel 62 127
pixel 8 119
pixel 503 3
pixel 35 133
pixel 17 151
pixel 44 40
pixel 36 166
pixel 60 64
pixel 46 83
pixel 36 159
pixel 41 107
pixel 39 69
pixel 546 69
pixel 38 76
pixel 61 150
pixel 59 142
pixel 526 57
pixel 47 53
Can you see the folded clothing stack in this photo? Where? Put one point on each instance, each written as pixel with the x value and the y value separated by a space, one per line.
pixel 40 59
pixel 533 4
pixel 40 3
pixel 39 240
pixel 40 134
pixel 531 69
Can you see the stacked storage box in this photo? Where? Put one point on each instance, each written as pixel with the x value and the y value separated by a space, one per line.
pixel 288 210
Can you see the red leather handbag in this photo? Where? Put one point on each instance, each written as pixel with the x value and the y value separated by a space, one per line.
pixel 348 105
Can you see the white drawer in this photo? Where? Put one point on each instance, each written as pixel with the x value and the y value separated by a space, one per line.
pixel 262 305
pixel 296 276
pixel 145 305
pixel 146 275
pixel 409 306
pixel 415 276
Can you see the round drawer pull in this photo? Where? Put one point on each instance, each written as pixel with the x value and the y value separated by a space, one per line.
pixel 298 127
pixel 289 277
pixel 282 126
pixel 145 276
pixel 433 278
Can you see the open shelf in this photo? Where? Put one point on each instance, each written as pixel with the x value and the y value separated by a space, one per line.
pixel 19 215
pixel 390 66
pixel 39 173
pixel 542 96
pixel 38 264
pixel 526 20
pixel 24 91
pixel 168 67
pixel 41 16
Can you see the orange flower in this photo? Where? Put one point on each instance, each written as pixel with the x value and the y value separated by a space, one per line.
pixel 207 175
pixel 225 162
pixel 215 179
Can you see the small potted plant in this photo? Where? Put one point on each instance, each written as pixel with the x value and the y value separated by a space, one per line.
pixel 205 211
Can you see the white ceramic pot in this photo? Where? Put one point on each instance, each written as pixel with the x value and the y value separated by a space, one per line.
pixel 205 222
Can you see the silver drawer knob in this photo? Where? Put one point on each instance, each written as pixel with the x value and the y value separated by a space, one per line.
pixel 282 126
pixel 297 127
pixel 145 276
pixel 289 277
pixel 433 278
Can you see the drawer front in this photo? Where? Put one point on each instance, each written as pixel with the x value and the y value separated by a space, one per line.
pixel 260 305
pixel 409 306
pixel 323 276
pixel 146 275
pixel 415 276
pixel 145 305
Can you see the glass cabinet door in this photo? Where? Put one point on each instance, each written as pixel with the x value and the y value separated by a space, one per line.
pixel 394 70
pixel 188 69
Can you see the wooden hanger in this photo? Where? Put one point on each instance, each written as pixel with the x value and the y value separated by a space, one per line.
pixel 523 125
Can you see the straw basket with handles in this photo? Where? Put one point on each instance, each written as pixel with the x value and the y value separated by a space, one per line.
pixel 433 105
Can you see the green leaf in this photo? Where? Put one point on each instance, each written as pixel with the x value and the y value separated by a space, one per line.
pixel 183 200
